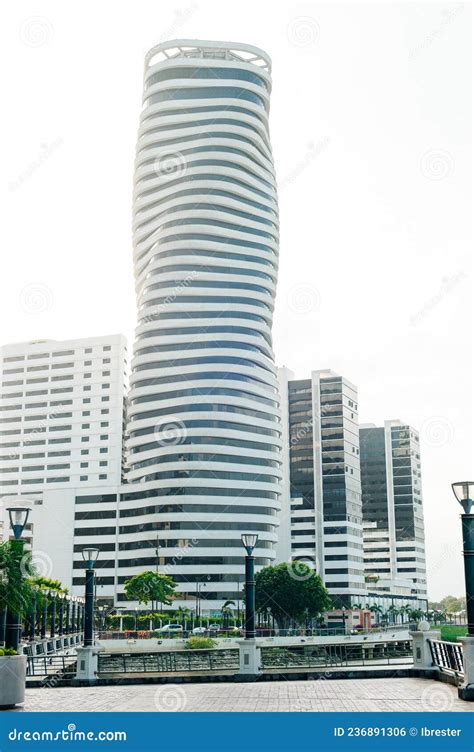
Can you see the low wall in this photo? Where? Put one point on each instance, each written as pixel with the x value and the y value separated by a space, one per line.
pixel 153 645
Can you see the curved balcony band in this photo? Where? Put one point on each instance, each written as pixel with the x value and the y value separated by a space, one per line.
pixel 204 426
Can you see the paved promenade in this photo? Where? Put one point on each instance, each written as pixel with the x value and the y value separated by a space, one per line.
pixel 345 695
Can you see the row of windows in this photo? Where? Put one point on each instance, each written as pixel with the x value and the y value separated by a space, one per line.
pixel 60 353
pixel 202 375
pixel 208 457
pixel 220 424
pixel 204 391
pixel 201 408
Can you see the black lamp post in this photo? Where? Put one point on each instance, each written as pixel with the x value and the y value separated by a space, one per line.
pixel 18 518
pixel 249 541
pixel 89 555
pixel 32 623
pixel 61 615
pixel 68 615
pixel 464 493
pixel 3 613
pixel 52 615
pixel 44 613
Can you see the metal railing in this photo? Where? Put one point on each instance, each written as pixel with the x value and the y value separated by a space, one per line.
pixel 169 662
pixel 334 656
pixel 49 665
pixel 50 645
pixel 447 656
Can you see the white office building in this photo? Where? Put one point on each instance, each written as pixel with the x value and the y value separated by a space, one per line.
pixel 204 429
pixel 394 540
pixel 61 431
pixel 322 507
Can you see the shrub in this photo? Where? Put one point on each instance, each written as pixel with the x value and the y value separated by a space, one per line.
pixel 200 643
pixel 8 651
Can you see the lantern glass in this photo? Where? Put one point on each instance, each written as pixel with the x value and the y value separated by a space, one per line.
pixel 249 541
pixel 464 493
pixel 90 556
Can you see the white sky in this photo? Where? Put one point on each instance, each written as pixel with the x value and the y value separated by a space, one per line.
pixel 371 130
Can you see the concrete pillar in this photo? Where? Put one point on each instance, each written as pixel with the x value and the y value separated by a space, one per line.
pixel 421 650
pixel 466 689
pixel 87 664
pixel 250 658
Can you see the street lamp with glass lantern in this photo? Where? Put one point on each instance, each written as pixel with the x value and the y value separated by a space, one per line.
pixel 18 515
pixel 89 555
pixel 464 493
pixel 249 541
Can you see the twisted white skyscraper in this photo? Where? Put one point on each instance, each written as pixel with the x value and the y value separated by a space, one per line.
pixel 204 424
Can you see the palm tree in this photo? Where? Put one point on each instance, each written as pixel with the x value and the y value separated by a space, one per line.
pixel 226 613
pixel 394 611
pixel 16 589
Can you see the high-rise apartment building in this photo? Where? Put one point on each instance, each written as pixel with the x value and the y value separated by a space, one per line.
pixel 392 505
pixel 322 478
pixel 62 413
pixel 203 423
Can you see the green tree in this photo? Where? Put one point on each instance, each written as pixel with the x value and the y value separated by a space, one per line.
pixel 150 586
pixel 16 589
pixel 290 591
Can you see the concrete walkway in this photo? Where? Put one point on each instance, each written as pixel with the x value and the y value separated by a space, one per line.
pixel 342 695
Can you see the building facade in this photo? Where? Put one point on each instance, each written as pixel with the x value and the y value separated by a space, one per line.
pixel 322 478
pixel 394 540
pixel 204 427
pixel 62 415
